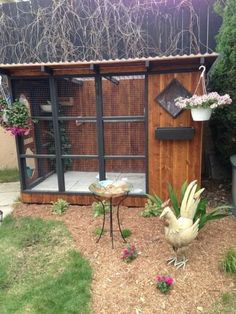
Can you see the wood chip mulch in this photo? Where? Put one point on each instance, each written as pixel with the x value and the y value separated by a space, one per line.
pixel 130 288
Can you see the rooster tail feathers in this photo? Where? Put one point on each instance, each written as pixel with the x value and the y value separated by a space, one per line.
pixel 198 193
pixel 190 200
pixel 196 228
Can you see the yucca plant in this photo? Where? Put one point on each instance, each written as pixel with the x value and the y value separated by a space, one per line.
pixel 218 213
pixel 201 212
pixel 174 199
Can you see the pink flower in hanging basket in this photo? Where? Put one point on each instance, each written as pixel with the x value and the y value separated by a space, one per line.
pixel 15 118
pixel 211 101
pixel 18 131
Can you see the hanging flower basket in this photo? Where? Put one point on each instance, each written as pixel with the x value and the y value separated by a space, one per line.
pixel 15 118
pixel 202 106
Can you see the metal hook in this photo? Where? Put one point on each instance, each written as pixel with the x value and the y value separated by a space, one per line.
pixel 203 70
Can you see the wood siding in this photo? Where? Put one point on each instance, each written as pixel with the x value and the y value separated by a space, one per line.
pixel 172 161
pixel 75 199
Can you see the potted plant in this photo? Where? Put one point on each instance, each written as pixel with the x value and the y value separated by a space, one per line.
pixel 15 118
pixel 201 106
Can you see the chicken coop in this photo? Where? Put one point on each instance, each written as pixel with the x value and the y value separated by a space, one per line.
pixel 107 119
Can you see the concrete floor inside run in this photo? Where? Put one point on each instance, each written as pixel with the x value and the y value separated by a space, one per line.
pixel 79 181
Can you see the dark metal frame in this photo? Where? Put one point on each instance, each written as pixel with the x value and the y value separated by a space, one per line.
pixel 99 120
pixel 100 127
pixel 111 207
pixel 59 164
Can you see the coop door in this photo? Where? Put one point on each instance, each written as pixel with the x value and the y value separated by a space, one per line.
pixel 124 131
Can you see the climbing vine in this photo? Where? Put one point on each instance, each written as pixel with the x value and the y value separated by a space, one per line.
pixel 66 30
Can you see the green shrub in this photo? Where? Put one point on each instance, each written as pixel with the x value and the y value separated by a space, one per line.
pixel 228 263
pixel 152 207
pixel 98 208
pixel 126 233
pixel 60 206
pixel 222 80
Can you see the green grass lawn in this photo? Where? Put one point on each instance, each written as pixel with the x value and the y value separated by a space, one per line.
pixel 9 175
pixel 40 272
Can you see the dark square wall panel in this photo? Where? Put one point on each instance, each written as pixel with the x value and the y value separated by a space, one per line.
pixel 167 97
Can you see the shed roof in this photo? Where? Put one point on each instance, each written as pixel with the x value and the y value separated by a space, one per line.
pixel 158 63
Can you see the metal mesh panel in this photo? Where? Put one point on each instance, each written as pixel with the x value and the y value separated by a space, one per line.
pixel 131 170
pixel 76 97
pixel 79 174
pixel 40 174
pixel 40 140
pixel 124 138
pixel 126 98
pixel 123 166
pixel 36 92
pixel 78 138
pixel 80 164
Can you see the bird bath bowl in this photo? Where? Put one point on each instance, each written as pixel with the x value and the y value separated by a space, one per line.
pixel 109 188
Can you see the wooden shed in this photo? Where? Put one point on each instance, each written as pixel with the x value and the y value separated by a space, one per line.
pixel 107 119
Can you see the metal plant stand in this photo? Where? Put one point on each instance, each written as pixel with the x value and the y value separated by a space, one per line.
pixel 100 197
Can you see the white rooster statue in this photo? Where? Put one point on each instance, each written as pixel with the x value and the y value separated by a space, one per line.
pixel 182 231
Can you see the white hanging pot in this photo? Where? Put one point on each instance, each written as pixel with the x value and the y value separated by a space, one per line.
pixel 201 114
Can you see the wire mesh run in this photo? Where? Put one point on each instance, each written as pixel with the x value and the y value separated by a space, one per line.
pixel 79 144
pixel 131 170
pixel 37 94
pixel 40 140
pixel 39 172
pixel 76 97
pixel 78 138
pixel 80 173
pixel 124 98
pixel 124 138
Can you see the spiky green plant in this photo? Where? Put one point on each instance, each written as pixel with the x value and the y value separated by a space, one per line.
pixel 201 212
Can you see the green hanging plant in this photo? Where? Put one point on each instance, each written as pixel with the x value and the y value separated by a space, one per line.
pixel 15 118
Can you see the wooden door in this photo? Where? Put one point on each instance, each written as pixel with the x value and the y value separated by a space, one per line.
pixel 172 161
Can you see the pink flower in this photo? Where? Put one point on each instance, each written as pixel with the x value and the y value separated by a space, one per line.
pixel 18 131
pixel 129 253
pixel 169 281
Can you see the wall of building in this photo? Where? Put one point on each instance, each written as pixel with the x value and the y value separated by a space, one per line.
pixel 8 157
pixel 172 161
